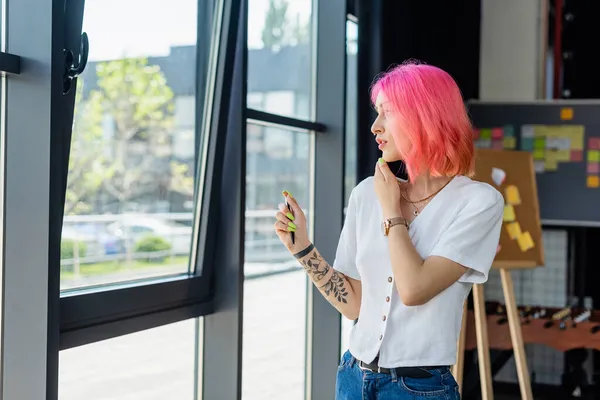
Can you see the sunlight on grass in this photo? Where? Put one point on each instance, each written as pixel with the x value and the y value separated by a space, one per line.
pixel 95 269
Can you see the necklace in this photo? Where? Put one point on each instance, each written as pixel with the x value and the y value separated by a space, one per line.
pixel 425 200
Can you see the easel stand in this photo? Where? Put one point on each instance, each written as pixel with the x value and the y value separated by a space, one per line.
pixel 483 347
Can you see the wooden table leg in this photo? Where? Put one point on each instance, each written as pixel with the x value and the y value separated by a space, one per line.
pixel 516 335
pixel 458 368
pixel 483 346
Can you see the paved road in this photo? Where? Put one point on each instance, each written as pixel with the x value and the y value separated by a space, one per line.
pixel 158 364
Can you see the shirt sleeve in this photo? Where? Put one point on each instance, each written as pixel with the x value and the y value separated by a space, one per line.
pixel 345 256
pixel 473 236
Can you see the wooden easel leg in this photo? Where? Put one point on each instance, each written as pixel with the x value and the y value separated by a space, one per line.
pixel 458 368
pixel 483 347
pixel 516 335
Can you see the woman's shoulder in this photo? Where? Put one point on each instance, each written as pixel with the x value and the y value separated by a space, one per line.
pixel 478 194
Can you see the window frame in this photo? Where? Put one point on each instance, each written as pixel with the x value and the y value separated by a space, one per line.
pixel 89 315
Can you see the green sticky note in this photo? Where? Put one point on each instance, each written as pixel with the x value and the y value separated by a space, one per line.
pixel 485 133
pixel 539 143
pixel 593 156
pixel 539 154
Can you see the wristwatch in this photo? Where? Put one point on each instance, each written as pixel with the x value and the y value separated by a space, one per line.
pixel 389 222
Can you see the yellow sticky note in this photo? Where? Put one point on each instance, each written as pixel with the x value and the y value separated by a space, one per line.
pixel 563 155
pixel 512 195
pixel 539 154
pixel 593 156
pixel 593 181
pixel 525 241
pixel 551 164
pixel 566 114
pixel 509 213
pixel 510 142
pixel 514 230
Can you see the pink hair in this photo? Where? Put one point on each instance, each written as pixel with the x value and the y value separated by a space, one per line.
pixel 429 111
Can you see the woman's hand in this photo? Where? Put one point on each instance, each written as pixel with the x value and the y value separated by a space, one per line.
pixel 387 189
pixel 291 220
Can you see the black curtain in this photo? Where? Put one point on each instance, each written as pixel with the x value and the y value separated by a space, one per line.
pixel 441 33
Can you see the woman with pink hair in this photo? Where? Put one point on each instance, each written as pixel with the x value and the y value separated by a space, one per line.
pixel 410 249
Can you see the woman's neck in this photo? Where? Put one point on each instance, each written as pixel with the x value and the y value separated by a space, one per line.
pixel 425 185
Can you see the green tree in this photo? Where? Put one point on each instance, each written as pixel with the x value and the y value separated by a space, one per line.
pixel 279 30
pixel 132 157
pixel 87 164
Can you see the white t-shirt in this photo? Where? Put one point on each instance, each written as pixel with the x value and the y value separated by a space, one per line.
pixel 461 223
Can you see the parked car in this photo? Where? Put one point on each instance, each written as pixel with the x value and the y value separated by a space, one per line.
pixel 132 228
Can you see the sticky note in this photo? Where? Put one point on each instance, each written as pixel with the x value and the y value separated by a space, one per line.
pixel 566 113
pixel 514 230
pixel 510 142
pixel 539 131
pixel 527 131
pixel 539 154
pixel 593 181
pixel 527 144
pixel 525 241
pixel 594 143
pixel 475 134
pixel 562 155
pixel 539 166
pixel 509 213
pixel 483 143
pixel 485 133
pixel 497 133
pixel 512 195
pixel 509 131
pixel 576 155
pixel 498 176
pixel 539 143
pixel 551 164
pixel 560 143
pixel 575 133
pixel 498 145
pixel 593 168
pixel 593 155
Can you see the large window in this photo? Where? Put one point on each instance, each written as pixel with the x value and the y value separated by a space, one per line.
pixel 280 78
pixel 154 364
pixel 275 289
pixel 278 157
pixel 130 191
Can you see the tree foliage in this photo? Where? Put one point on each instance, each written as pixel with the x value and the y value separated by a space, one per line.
pixel 122 138
pixel 279 30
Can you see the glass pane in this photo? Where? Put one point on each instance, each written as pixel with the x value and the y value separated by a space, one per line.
pixel 155 364
pixel 280 57
pixel 130 193
pixel 275 286
pixel 351 134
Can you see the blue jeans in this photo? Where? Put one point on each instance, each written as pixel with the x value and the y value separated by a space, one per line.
pixel 355 384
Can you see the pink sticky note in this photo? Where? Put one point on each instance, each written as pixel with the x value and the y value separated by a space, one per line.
pixel 498 145
pixel 594 143
pixel 593 168
pixel 497 133
pixel 577 155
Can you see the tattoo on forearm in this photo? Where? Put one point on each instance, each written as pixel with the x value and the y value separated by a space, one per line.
pixel 316 266
pixel 336 286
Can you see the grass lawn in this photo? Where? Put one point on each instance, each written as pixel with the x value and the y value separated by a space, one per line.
pixel 115 266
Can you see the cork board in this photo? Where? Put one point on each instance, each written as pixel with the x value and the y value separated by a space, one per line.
pixel 512 173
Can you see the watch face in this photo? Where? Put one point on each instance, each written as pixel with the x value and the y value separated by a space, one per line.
pixel 384 225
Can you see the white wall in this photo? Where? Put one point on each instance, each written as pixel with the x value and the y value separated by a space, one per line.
pixel 513 43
